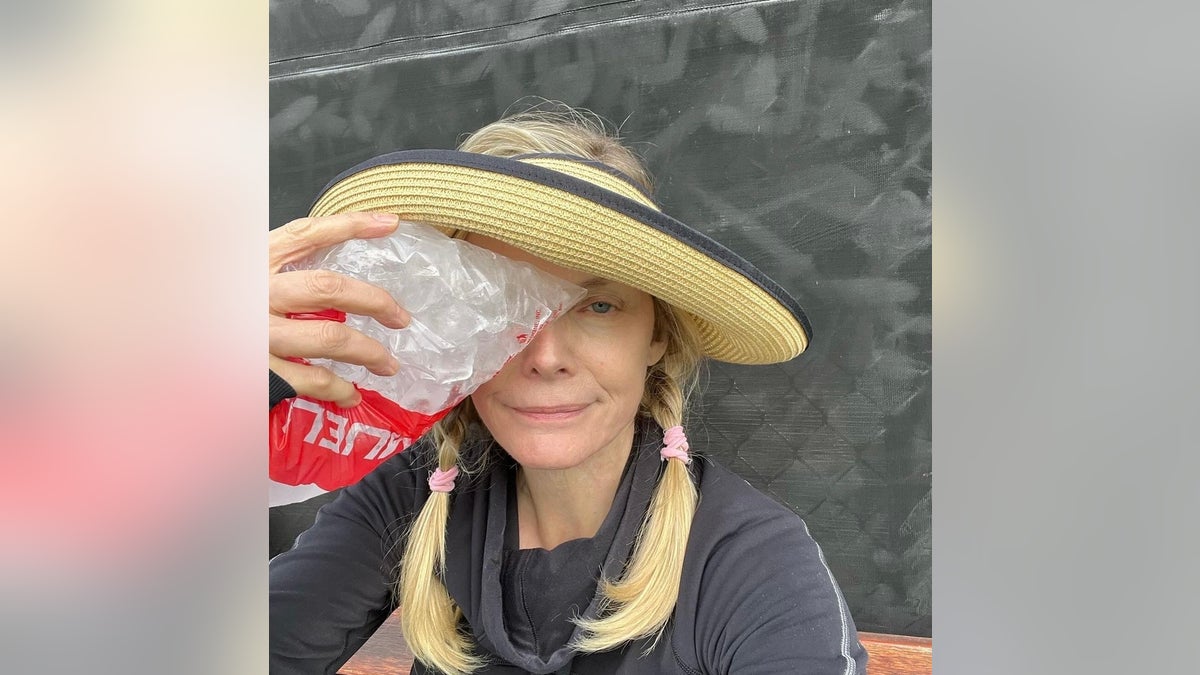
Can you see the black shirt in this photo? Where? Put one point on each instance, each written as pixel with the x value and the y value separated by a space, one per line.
pixel 543 590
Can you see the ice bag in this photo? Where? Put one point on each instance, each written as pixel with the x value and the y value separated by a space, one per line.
pixel 472 310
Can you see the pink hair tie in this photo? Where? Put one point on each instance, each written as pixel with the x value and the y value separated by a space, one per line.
pixel 443 481
pixel 675 445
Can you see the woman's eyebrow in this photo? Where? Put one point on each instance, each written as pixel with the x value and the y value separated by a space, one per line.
pixel 594 283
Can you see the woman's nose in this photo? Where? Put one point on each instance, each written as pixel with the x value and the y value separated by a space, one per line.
pixel 549 352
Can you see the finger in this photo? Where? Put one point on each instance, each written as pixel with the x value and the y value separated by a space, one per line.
pixel 316 382
pixel 304 236
pixel 316 290
pixel 330 340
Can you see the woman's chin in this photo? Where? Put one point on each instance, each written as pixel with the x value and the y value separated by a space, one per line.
pixel 559 452
pixel 549 458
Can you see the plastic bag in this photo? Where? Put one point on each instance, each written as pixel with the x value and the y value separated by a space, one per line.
pixel 472 310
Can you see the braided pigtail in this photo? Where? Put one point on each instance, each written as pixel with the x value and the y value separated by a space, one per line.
pixel 640 603
pixel 428 616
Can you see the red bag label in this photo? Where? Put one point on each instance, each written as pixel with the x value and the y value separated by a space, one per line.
pixel 317 442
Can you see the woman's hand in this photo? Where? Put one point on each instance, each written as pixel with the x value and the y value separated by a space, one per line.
pixel 316 290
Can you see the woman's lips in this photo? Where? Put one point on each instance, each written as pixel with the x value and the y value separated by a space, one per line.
pixel 549 413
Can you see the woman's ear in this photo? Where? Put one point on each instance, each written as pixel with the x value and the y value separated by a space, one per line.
pixel 657 349
pixel 661 335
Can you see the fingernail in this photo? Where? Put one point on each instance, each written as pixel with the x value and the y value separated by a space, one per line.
pixel 401 317
pixel 386 217
pixel 394 365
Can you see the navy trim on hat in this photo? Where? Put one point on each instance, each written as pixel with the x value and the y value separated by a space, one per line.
pixel 596 194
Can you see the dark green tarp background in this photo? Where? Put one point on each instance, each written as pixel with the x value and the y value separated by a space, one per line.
pixel 797 133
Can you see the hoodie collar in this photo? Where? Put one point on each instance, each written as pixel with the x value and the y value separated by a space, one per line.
pixel 475 553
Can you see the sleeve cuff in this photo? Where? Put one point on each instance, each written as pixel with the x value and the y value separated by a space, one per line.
pixel 280 389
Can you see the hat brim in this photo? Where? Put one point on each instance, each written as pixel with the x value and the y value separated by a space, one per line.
pixel 742 315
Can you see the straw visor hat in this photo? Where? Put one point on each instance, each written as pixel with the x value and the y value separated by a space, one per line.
pixel 584 215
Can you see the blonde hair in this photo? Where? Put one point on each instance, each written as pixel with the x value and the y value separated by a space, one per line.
pixel 639 603
pixel 429 617
pixel 557 128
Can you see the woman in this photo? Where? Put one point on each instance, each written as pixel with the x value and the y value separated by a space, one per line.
pixel 556 521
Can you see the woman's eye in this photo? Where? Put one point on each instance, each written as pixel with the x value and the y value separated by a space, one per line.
pixel 600 307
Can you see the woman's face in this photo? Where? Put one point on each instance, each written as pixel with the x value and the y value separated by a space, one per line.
pixel 569 399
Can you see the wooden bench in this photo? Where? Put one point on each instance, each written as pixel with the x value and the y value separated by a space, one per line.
pixel 897 654
pixel 387 654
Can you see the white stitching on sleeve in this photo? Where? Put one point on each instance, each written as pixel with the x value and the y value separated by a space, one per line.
pixel 851 667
